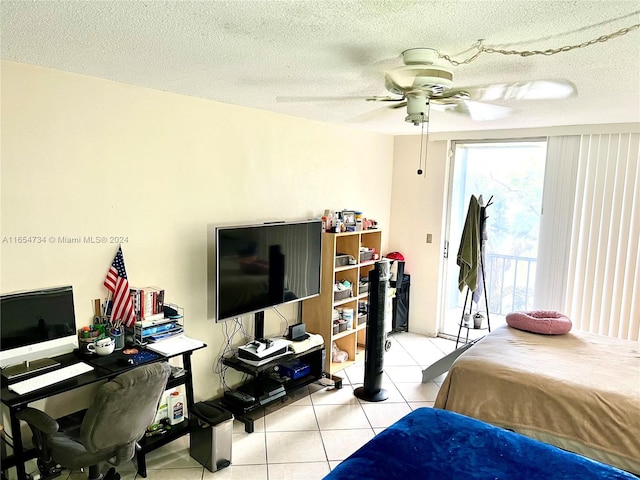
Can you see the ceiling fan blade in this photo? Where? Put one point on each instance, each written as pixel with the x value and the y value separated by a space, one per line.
pixel 379 113
pixel 285 99
pixel 533 90
pixel 398 105
pixel 450 100
pixel 368 98
pixel 478 111
pixel 385 99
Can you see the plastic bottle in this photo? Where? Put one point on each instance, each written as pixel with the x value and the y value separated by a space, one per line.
pixel 176 408
pixel 347 315
pixel 329 222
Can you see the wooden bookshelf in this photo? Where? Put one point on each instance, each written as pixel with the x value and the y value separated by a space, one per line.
pixel 317 312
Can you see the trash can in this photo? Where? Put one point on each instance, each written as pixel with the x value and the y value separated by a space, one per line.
pixel 211 435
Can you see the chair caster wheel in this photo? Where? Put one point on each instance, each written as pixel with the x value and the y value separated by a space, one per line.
pixel 112 475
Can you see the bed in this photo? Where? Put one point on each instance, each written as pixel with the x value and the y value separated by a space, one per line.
pixel 441 445
pixel 578 391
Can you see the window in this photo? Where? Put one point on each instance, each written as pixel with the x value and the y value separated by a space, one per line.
pixel 511 174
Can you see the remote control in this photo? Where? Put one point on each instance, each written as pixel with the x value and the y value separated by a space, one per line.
pixel 237 396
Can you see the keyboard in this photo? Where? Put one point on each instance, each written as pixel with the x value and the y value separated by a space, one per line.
pixel 50 378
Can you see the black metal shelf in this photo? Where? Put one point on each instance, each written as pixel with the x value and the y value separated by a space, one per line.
pixel 249 413
pixel 148 444
pixel 237 364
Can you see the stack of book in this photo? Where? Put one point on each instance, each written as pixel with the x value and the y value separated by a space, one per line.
pixel 148 302
pixel 155 321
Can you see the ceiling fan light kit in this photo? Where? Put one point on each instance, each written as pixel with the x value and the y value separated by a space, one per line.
pixel 417 109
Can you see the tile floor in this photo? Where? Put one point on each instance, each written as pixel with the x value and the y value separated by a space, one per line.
pixel 305 439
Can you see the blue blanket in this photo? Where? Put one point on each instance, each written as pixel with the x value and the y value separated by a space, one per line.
pixel 437 444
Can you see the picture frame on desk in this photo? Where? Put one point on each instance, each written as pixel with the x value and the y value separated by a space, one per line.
pixel 349 217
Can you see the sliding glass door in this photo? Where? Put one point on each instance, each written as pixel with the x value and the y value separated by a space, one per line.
pixel 509 177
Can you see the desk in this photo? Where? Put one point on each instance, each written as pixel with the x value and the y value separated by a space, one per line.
pixel 103 371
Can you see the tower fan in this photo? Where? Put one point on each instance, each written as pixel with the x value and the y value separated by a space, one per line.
pixel 372 390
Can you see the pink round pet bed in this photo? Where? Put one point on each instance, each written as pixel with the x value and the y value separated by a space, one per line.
pixel 540 321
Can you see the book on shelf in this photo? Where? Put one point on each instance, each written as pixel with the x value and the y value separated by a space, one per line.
pixel 147 301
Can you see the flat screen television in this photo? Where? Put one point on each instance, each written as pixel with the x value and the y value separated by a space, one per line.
pixel 36 325
pixel 265 265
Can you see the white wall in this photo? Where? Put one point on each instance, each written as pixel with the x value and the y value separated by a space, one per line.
pixel 83 156
pixel 417 209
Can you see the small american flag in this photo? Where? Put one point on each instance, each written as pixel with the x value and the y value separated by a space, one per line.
pixel 117 283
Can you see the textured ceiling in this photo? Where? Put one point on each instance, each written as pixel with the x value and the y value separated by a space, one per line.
pixel 250 52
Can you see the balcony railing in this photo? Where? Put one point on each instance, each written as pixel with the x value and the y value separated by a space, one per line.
pixel 510 283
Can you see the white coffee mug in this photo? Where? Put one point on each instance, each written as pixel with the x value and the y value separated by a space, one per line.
pixel 104 346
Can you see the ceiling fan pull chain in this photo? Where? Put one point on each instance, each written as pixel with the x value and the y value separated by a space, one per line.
pixel 420 156
pixel 424 138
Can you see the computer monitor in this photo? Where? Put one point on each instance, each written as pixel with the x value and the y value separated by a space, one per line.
pixel 34 326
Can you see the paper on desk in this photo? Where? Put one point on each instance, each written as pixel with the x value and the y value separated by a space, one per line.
pixel 174 345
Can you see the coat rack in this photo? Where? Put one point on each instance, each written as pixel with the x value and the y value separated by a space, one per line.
pixel 481 222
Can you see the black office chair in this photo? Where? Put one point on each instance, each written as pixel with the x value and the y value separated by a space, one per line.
pixel 109 430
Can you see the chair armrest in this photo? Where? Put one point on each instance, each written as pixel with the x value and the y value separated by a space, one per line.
pixel 38 420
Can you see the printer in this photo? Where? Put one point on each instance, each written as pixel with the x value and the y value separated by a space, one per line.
pixel 259 352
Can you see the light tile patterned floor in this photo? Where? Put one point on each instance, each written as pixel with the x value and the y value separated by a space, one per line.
pixel 305 439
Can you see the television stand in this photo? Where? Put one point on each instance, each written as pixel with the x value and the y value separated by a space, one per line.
pixel 268 390
pixel 28 367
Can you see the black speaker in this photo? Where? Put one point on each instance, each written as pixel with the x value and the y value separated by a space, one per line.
pixel 400 322
pixel 372 390
pixel 400 316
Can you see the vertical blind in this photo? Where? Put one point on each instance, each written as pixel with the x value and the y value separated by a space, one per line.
pixel 602 254
pixel 556 221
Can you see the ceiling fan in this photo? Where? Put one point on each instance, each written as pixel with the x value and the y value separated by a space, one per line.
pixel 420 82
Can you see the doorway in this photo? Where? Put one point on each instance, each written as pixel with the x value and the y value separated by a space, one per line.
pixel 509 175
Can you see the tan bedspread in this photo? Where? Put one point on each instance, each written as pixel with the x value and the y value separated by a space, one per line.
pixel 578 391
